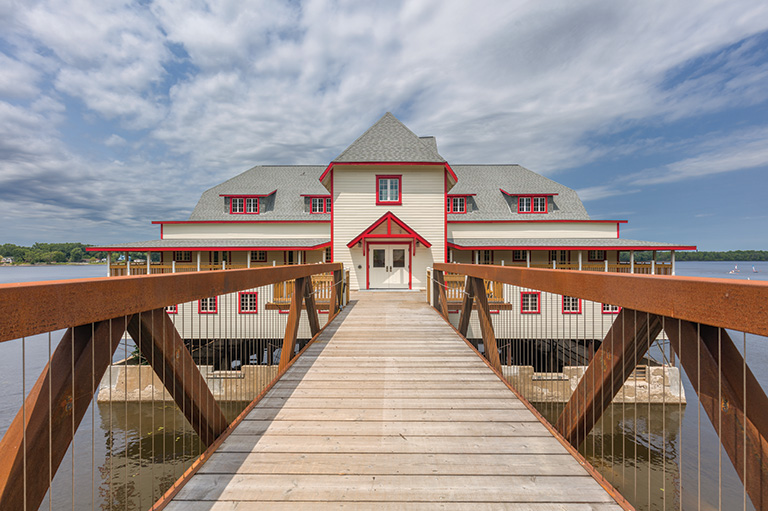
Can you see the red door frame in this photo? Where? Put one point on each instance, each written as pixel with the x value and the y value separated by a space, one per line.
pixel 410 261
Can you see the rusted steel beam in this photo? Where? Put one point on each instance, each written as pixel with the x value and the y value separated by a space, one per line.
pixel 466 307
pixel 89 349
pixel 486 326
pixel 440 293
pixel 160 343
pixel 624 346
pixel 739 305
pixel 333 303
pixel 292 325
pixel 309 302
pixel 104 298
pixel 712 350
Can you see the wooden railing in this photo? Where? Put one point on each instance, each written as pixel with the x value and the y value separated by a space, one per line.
pixel 96 314
pixel 692 317
pixel 120 269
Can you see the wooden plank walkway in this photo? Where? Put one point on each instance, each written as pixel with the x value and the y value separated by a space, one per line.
pixel 390 409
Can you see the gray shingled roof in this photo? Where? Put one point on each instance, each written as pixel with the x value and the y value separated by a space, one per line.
pixel 560 242
pixel 390 140
pixel 291 182
pixel 219 243
pixel 490 204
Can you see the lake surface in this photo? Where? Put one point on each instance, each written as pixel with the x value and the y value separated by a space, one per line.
pixel 126 454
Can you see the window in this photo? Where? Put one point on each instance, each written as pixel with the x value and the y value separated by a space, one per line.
pixel 596 255
pixel 328 258
pixel 208 305
pixel 485 257
pixel 520 255
pixel 248 302
pixel 172 309
pixel 244 205
pixel 182 257
pixel 533 204
pixel 456 204
pixel 611 309
pixel 320 205
pixel 561 256
pixel 529 302
pixel 571 305
pixel 259 256
pixel 388 190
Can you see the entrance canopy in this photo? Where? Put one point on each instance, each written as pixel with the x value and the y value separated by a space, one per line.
pixel 389 228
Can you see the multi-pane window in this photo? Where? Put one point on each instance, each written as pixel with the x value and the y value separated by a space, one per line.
pixel 244 205
pixel 328 258
pixel 571 305
pixel 536 204
pixel 208 305
pixel 320 205
pixel 519 255
pixel 456 205
pixel 529 302
pixel 485 257
pixel 611 309
pixel 259 256
pixel 248 302
pixel 388 190
pixel 596 255
pixel 182 256
pixel 172 309
pixel 560 256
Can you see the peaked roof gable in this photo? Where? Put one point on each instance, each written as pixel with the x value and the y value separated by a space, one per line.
pixel 390 140
pixel 388 219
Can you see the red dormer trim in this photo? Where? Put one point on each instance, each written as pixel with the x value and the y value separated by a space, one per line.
pixel 527 194
pixel 246 195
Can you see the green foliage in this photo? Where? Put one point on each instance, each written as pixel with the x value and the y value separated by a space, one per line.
pixel 50 253
pixel 730 255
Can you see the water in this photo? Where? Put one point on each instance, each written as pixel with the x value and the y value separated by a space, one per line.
pixel 126 454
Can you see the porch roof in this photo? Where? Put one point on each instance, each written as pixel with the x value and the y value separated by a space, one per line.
pixel 561 244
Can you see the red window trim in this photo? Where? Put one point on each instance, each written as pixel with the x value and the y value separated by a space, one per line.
pixel 399 201
pixel 240 302
pixel 449 204
pixel 589 255
pixel 175 309
pixel 215 307
pixel 538 302
pixel 562 306
pixel 326 210
pixel 602 308
pixel 245 205
pixel 532 212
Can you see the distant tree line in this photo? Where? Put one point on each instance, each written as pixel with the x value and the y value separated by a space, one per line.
pixel 729 255
pixel 50 253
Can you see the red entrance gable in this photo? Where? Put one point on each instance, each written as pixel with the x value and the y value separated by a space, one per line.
pixel 396 229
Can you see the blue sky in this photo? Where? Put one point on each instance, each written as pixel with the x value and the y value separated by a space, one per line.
pixel 117 113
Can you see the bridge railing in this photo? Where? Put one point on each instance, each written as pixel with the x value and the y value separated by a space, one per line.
pixel 149 375
pixel 609 362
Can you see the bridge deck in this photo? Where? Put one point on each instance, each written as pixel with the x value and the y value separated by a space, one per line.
pixel 391 410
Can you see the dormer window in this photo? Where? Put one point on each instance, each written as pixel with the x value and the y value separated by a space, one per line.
pixel 244 205
pixel 320 205
pixel 532 204
pixel 456 204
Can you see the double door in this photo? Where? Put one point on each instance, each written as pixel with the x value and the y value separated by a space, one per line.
pixel 388 267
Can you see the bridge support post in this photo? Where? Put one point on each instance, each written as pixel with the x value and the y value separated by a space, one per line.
pixel 440 294
pixel 625 344
pixel 466 307
pixel 486 326
pixel 720 378
pixel 160 343
pixel 309 300
pixel 334 304
pixel 292 326
pixel 87 349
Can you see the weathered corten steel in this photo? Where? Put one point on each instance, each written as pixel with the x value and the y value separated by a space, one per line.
pixel 486 325
pixel 440 294
pixel 160 343
pixel 292 324
pixel 104 298
pixel 309 302
pixel 720 386
pixel 466 307
pixel 739 305
pixel 89 348
pixel 622 349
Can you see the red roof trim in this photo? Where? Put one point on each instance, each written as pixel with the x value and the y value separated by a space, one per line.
pixel 318 195
pixel 461 194
pixel 246 195
pixel 560 247
pixel 161 222
pixel 194 249
pixel 326 171
pixel 527 194
pixel 451 173
pixel 388 216
pixel 537 221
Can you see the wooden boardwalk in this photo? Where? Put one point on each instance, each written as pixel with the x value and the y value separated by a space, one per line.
pixel 390 409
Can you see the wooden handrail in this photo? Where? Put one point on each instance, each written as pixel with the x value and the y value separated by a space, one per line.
pixel 738 305
pixel 70 303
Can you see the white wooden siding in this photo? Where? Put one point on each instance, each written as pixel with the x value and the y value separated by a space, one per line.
pixel 227 231
pixel 532 230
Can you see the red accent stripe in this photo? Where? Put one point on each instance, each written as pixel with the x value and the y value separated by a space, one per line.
pixel 537 221
pixel 559 247
pixel 161 222
pixel 200 249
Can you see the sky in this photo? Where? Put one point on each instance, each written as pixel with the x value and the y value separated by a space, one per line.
pixel 116 113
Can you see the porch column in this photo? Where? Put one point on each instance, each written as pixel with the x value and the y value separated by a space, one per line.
pixel 528 258
pixel 173 266
pixel 631 261
pixel 672 253
pixel 127 264
pixel 149 263
pixel 606 263
pixel 198 260
pixel 653 263
pixel 248 259
pixel 580 253
pixel 109 264
pixel 477 256
pixel 554 263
